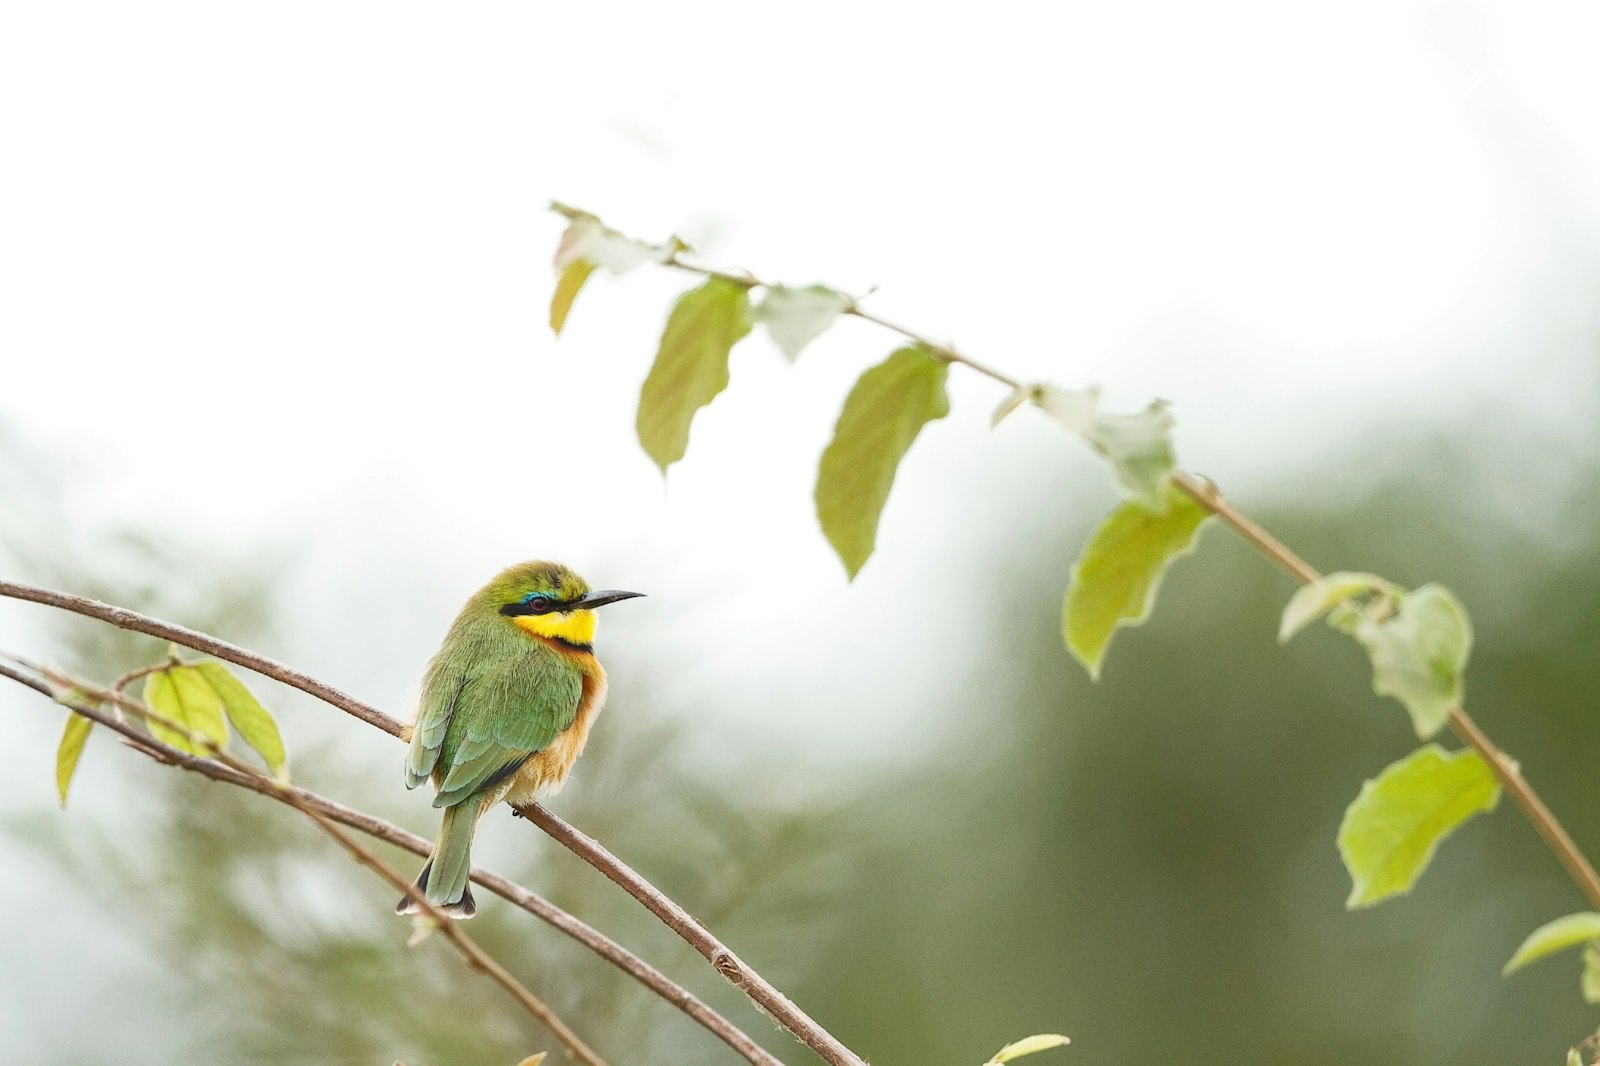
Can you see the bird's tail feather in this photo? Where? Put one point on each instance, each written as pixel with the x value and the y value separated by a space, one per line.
pixel 444 881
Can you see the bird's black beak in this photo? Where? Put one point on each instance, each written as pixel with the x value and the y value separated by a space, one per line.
pixel 600 599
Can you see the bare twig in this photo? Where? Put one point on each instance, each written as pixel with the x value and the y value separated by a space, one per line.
pixel 775 1003
pixel 66 689
pixel 607 949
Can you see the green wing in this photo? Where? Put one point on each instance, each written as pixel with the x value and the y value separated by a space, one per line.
pixel 475 733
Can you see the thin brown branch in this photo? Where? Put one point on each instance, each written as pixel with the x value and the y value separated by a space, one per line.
pixel 597 942
pixel 477 958
pixel 775 1003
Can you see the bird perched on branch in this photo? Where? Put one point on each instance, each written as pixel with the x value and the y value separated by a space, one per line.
pixel 507 703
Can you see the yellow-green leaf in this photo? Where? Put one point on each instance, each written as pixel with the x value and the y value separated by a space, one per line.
pixel 1028 1045
pixel 1114 581
pixel 1565 932
pixel 691 365
pixel 1590 983
pixel 1573 1058
pixel 573 275
pixel 1390 832
pixel 68 751
pixel 252 721
pixel 1419 653
pixel 1316 599
pixel 183 696
pixel 795 317
pixel 886 409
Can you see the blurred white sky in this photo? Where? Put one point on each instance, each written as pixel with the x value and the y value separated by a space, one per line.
pixel 282 270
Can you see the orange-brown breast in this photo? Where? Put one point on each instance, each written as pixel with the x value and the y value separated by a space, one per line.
pixel 546 770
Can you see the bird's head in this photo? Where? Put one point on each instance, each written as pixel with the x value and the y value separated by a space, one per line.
pixel 548 600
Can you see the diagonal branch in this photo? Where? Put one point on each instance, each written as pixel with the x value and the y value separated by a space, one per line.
pixel 66 691
pixel 761 992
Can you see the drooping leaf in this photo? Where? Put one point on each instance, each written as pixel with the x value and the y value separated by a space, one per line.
pixel 573 275
pixel 1321 596
pixel 886 409
pixel 1028 1045
pixel 1114 581
pixel 252 721
pixel 691 366
pixel 1590 983
pixel 795 317
pixel 1390 832
pixel 1014 399
pixel 1559 934
pixel 182 696
pixel 68 751
pixel 1138 446
pixel 1419 653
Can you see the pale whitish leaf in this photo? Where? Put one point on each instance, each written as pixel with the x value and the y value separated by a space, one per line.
pixel 1115 580
pixel 573 275
pixel 1014 399
pixel 249 718
pixel 691 366
pixel 588 239
pixel 1419 653
pixel 795 317
pixel 1138 446
pixel 1391 831
pixel 1321 596
pixel 1559 934
pixel 182 695
pixel 1591 973
pixel 1028 1045
pixel 1573 1058
pixel 886 409
pixel 68 751
pixel 533 1060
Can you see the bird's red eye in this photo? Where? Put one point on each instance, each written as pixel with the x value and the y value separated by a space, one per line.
pixel 539 603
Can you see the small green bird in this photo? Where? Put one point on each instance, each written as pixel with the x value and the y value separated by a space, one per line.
pixel 507 703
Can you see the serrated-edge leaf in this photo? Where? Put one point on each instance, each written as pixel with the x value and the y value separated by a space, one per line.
pixel 182 695
pixel 1419 654
pixel 691 365
pixel 796 316
pixel 1028 1045
pixel 1115 581
pixel 1394 826
pixel 1312 601
pixel 885 411
pixel 1568 931
pixel 69 750
pixel 568 285
pixel 252 721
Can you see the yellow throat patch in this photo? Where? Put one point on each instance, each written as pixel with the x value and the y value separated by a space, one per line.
pixel 574 627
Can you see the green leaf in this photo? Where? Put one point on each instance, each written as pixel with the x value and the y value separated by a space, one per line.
pixel 573 275
pixel 1390 832
pixel 691 366
pixel 1553 936
pixel 249 718
pixel 1114 581
pixel 68 751
pixel 1138 446
pixel 1419 653
pixel 795 317
pixel 183 696
pixel 1323 595
pixel 1573 1058
pixel 1028 1045
pixel 1590 983
pixel 886 409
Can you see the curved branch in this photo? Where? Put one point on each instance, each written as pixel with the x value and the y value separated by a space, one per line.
pixel 760 991
pixel 505 888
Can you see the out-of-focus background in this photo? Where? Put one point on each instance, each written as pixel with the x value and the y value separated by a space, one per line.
pixel 273 362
